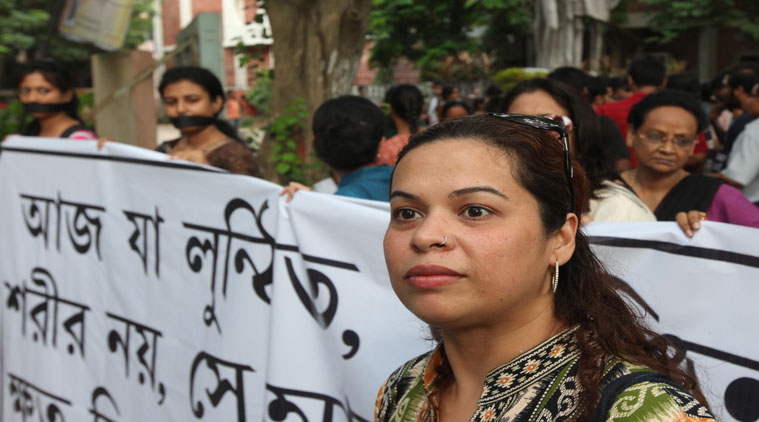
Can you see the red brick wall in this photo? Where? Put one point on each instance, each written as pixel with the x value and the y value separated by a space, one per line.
pixel 365 75
pixel 199 6
pixel 403 73
pixel 229 66
pixel 171 25
pixel 205 6
pixel 255 65
pixel 250 10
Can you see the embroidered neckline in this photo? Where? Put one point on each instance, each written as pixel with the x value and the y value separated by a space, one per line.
pixel 530 366
pixel 521 372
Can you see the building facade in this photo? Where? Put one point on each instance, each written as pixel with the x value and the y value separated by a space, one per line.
pixel 245 27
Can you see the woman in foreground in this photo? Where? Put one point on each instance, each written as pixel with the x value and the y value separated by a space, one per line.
pixel 484 246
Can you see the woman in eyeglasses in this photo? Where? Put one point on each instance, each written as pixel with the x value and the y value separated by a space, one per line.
pixel 664 128
pixel 483 245
pixel 609 201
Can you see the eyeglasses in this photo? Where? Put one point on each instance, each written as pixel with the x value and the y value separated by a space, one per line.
pixel 657 139
pixel 548 123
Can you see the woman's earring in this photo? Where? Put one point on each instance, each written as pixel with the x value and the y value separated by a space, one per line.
pixel 555 278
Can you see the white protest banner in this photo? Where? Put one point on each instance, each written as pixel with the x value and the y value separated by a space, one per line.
pixel 139 288
pixel 699 292
pixel 144 289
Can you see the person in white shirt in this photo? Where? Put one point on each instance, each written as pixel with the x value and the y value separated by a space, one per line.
pixel 437 90
pixel 743 166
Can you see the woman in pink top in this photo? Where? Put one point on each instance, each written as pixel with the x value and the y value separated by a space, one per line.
pixel 47 95
pixel 405 110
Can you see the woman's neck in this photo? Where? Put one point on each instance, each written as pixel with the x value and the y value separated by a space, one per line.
pixel 651 187
pixel 474 352
pixel 401 126
pixel 204 137
pixel 647 181
pixel 56 124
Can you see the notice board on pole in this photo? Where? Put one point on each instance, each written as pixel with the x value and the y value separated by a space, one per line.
pixel 103 23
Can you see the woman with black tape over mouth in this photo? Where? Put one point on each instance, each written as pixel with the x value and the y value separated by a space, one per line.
pixel 193 98
pixel 46 92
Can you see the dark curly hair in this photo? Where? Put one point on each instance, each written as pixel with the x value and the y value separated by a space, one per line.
pixel 587 297
pixel 648 71
pixel 347 132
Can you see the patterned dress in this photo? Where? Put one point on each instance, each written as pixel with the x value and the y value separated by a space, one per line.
pixel 539 385
pixel 231 156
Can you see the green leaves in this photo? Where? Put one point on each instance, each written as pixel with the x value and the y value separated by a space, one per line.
pixel 141 23
pixel 20 27
pixel 24 25
pixel 670 18
pixel 284 131
pixel 428 32
pixel 284 168
pixel 507 79
pixel 11 118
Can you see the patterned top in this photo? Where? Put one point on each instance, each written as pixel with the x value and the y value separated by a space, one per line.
pixel 539 385
pixel 232 156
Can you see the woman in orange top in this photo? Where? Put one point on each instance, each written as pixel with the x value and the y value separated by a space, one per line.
pixel 405 110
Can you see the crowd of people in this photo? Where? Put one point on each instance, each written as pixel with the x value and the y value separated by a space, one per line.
pixel 487 196
pixel 687 153
pixel 650 156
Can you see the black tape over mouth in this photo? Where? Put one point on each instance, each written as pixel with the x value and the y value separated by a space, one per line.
pixel 188 121
pixel 45 107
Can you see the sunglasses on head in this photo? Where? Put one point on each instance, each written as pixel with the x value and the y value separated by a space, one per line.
pixel 564 120
pixel 556 124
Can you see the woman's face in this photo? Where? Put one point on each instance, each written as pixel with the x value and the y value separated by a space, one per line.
pixel 540 103
pixel 665 139
pixel 186 98
pixel 34 88
pixel 495 266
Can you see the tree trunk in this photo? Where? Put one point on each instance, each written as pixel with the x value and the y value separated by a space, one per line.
pixel 317 48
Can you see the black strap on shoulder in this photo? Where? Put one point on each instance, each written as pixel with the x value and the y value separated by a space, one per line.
pixel 613 389
pixel 694 192
pixel 71 129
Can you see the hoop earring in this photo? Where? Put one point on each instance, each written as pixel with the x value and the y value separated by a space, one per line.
pixel 555 278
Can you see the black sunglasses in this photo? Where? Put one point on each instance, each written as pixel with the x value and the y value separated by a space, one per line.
pixel 545 123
